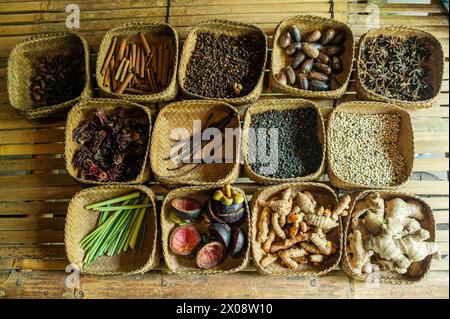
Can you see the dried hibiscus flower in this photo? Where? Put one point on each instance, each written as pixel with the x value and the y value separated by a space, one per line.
pixel 112 145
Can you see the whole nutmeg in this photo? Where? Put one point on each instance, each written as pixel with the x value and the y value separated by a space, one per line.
pixel 290 75
pixel 307 66
pixel 313 36
pixel 310 50
pixel 323 68
pixel 314 75
pixel 336 65
pixel 298 58
pixel 285 39
pixel 339 37
pixel 295 33
pixel 303 82
pixel 327 36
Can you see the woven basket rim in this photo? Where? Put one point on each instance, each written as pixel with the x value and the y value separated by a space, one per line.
pixel 144 174
pixel 153 259
pixel 48 110
pixel 402 103
pixel 255 217
pixel 176 181
pixel 267 104
pixel 346 266
pixel 330 94
pixel 184 60
pixel 166 234
pixel 338 181
pixel 170 91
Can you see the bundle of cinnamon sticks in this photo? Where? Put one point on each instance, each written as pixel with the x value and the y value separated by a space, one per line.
pixel 136 67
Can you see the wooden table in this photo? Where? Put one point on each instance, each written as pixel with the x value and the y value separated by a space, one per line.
pixel 34 187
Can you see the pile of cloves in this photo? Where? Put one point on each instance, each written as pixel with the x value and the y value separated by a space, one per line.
pixel 138 67
pixel 57 79
pixel 314 60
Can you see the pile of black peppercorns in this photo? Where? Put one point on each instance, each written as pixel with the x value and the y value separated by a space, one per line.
pixel 299 148
pixel 225 67
pixel 57 79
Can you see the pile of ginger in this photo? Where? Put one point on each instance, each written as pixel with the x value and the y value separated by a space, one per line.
pixel 387 235
pixel 293 228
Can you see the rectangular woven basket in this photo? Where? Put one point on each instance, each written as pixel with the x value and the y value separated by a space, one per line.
pixel 80 222
pixel 219 27
pixel 325 196
pixel 184 265
pixel 21 68
pixel 436 64
pixel 153 32
pixel 181 115
pixel 405 141
pixel 281 105
pixel 306 24
pixel 79 113
pixel 386 276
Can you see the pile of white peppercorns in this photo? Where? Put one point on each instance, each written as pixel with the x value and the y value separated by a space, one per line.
pixel 364 149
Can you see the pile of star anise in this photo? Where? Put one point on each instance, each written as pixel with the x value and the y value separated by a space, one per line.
pixel 396 67
pixel 113 145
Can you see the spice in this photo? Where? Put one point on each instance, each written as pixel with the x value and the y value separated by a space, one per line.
pixel 112 145
pixel 364 149
pixel 398 68
pixel 220 63
pixel 57 79
pixel 299 148
pixel 321 50
pixel 121 229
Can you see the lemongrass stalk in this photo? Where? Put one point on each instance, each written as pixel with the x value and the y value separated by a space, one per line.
pixel 114 200
pixel 142 233
pixel 138 224
pixel 127 240
pixel 115 208
pixel 121 239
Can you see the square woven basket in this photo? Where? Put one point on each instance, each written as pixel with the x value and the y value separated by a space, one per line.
pixel 405 141
pixel 280 105
pixel 386 276
pixel 80 222
pixel 308 23
pixel 186 265
pixel 78 114
pixel 21 68
pixel 130 31
pixel 219 27
pixel 436 64
pixel 181 115
pixel 325 196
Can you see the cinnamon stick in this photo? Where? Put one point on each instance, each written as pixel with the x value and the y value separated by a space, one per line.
pixel 143 64
pixel 112 67
pixel 119 70
pixel 125 83
pixel 144 43
pixel 107 78
pixel 125 70
pixel 133 56
pixel 137 65
pixel 121 50
pixel 111 50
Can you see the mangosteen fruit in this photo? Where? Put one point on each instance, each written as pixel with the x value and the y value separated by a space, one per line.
pixel 221 232
pixel 211 255
pixel 238 242
pixel 184 240
pixel 186 208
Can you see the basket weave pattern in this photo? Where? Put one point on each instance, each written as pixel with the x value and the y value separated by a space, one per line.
pixel 181 115
pixel 21 65
pixel 80 222
pixel 281 105
pixel 78 114
pixel 279 59
pixel 405 141
pixel 131 30
pixel 437 66
pixel 231 29
pixel 386 276
pixel 324 195
pixel 184 265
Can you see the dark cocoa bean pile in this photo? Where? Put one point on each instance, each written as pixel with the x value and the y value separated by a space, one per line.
pixel 57 79
pixel 225 67
pixel 299 148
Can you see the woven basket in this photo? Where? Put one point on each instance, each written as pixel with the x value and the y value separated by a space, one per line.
pixel 405 141
pixel 280 105
pixel 185 265
pixel 21 68
pixel 437 66
pixel 154 32
pixel 325 195
pixel 280 60
pixel 181 115
pixel 386 276
pixel 218 27
pixel 80 222
pixel 78 114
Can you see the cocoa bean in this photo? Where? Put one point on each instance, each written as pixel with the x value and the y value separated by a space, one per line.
pixel 327 36
pixel 310 50
pixel 313 36
pixel 285 39
pixel 306 66
pixel 323 58
pixel 303 81
pixel 339 37
pixel 290 75
pixel 319 86
pixel 314 75
pixel 323 68
pixel 295 33
pixel 336 65
pixel 281 77
pixel 298 58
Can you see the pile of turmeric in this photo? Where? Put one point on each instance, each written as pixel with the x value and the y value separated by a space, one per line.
pixel 387 235
pixel 293 227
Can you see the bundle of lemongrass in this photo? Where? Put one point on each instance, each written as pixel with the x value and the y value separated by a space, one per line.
pixel 122 224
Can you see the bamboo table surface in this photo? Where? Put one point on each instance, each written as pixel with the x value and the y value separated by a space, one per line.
pixel 35 188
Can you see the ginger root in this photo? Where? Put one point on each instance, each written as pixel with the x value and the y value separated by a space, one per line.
pixel 282 206
pixel 415 247
pixel 387 248
pixel 341 208
pixel 360 256
pixel 375 213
